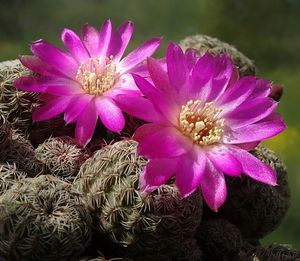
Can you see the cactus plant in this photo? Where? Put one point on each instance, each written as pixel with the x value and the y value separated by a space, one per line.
pixel 63 156
pixel 19 151
pixel 9 174
pixel 250 205
pixel 154 226
pixel 43 218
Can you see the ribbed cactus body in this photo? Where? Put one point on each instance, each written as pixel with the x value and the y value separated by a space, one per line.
pixel 5 133
pixel 254 207
pixel 272 252
pixel 155 226
pixel 43 219
pixel 20 152
pixel 9 174
pixel 17 105
pixel 63 156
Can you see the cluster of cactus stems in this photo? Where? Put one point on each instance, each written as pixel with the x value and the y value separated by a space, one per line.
pixel 60 201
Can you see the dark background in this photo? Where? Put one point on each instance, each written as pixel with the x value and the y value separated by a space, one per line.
pixel 266 31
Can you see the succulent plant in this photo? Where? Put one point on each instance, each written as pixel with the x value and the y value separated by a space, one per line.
pixel 20 152
pixel 154 226
pixel 63 156
pixel 5 133
pixel 43 218
pixel 274 252
pixel 250 205
pixel 219 239
pixel 16 105
pixel 204 43
pixel 9 174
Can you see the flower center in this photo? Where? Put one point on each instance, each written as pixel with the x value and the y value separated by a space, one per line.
pixel 201 123
pixel 96 78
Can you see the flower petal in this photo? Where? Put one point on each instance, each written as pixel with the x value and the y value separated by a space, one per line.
pixel 236 94
pixel 73 88
pixel 37 65
pixel 250 112
pixel 190 169
pixel 77 105
pixel 253 167
pixel 55 57
pixel 75 46
pixel 263 88
pixel 139 107
pixel 224 161
pixel 52 108
pixel 164 143
pixel 158 75
pixel 213 186
pixel 145 130
pixel 37 84
pixel 202 76
pixel 90 39
pixel 86 124
pixel 192 56
pixel 120 40
pixel 105 37
pixel 162 101
pixel 156 173
pixel 177 67
pixel 254 132
pixel 139 54
pixel 110 114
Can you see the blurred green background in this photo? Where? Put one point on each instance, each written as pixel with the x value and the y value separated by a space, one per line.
pixel 266 31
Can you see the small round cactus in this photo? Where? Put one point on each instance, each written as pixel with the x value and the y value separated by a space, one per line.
pixel 250 205
pixel 43 218
pixel 154 226
pixel 219 239
pixel 63 156
pixel 16 105
pixel 19 151
pixel 204 43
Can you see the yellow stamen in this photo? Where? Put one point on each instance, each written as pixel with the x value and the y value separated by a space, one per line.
pixel 96 78
pixel 201 123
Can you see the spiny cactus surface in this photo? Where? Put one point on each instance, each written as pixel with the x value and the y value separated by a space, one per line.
pixel 43 219
pixel 155 226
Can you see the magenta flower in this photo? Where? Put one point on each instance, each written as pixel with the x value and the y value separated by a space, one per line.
pixel 84 82
pixel 203 121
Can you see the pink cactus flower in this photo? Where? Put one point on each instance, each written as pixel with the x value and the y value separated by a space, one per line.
pixel 84 81
pixel 203 119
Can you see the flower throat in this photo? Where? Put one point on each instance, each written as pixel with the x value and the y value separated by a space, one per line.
pixel 202 124
pixel 95 77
